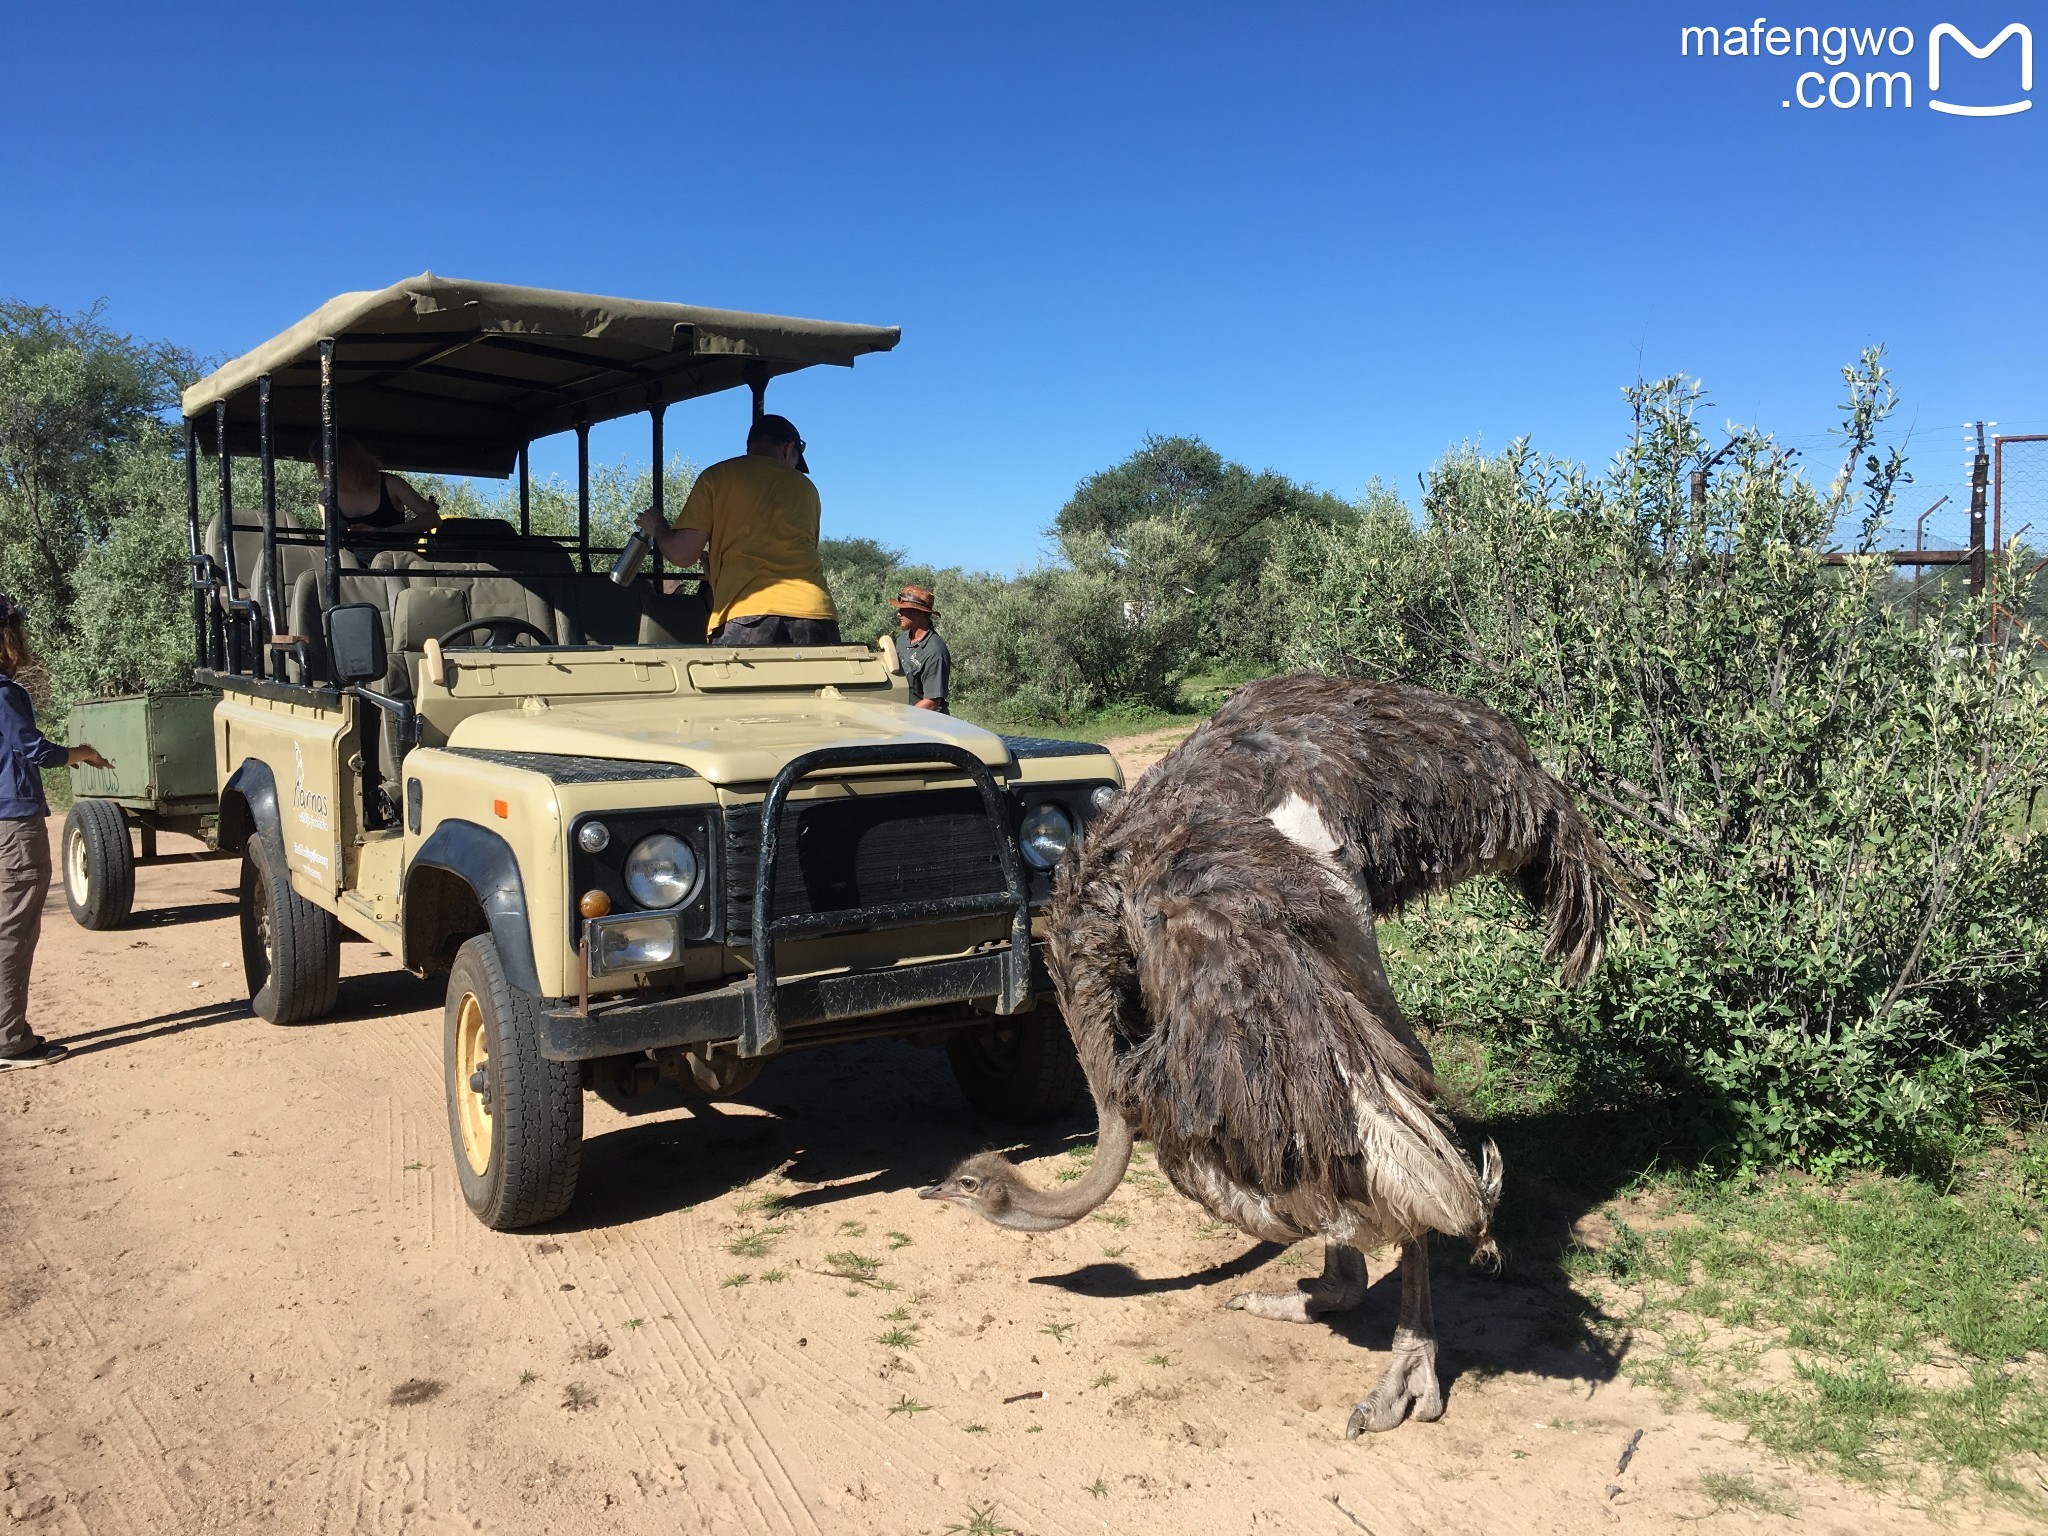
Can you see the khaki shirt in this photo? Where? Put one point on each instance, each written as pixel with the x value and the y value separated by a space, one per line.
pixel 762 518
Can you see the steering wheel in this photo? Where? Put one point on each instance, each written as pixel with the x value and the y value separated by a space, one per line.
pixel 502 630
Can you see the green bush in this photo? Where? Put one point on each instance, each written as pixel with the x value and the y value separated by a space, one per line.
pixel 1824 804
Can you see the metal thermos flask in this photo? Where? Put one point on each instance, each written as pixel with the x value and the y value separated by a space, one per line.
pixel 627 566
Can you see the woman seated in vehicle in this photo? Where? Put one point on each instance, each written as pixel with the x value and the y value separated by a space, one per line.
pixel 372 501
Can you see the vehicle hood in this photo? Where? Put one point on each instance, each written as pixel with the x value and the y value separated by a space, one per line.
pixel 727 741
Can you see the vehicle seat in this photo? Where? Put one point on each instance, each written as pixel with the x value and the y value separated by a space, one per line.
pixel 674 618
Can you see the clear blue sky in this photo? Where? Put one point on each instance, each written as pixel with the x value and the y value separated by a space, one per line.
pixel 1329 241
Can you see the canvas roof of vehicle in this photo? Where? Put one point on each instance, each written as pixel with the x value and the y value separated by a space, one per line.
pixel 445 375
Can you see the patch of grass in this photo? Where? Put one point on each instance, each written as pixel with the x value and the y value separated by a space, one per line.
pixel 1106 1379
pixel 853 1228
pixel 896 1315
pixel 1117 1252
pixel 1098 1488
pixel 899 1239
pixel 1113 1218
pixel 762 1204
pixel 973 1429
pixel 636 1322
pixel 1158 1360
pixel 1909 1314
pixel 981 1521
pixel 898 1338
pixel 1035 1429
pixel 734 1282
pixel 772 1277
pixel 849 1265
pixel 1059 1331
pixel 414 1167
pixel 755 1245
pixel 1738 1490
pixel 528 1378
pixel 909 1404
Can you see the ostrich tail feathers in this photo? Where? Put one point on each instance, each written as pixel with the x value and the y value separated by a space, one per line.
pixel 1572 881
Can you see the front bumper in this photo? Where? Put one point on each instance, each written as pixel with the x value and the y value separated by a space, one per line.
pixel 632 1024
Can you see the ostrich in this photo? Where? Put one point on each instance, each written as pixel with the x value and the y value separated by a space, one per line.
pixel 1212 942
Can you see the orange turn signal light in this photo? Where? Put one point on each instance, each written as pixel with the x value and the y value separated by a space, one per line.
pixel 500 809
pixel 594 904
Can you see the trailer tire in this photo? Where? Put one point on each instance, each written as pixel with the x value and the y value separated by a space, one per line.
pixel 99 865
pixel 291 948
pixel 515 1118
pixel 1021 1070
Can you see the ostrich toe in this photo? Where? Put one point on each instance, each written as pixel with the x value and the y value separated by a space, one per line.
pixel 1339 1288
pixel 1408 1390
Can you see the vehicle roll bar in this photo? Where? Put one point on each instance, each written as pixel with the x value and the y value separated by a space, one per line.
pixel 762 1033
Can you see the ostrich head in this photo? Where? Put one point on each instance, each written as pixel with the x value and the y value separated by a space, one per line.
pixel 989 1185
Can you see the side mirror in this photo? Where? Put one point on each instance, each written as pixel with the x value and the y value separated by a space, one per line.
pixel 355 643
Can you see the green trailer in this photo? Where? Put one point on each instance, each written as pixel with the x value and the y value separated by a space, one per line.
pixel 162 781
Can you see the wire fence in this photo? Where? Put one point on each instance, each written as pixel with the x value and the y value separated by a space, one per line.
pixel 2019 490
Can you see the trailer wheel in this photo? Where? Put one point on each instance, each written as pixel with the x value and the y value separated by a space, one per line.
pixel 515 1117
pixel 1022 1069
pixel 291 948
pixel 99 865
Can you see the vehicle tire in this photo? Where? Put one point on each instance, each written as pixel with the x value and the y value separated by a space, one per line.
pixel 516 1118
pixel 1022 1069
pixel 99 865
pixel 291 948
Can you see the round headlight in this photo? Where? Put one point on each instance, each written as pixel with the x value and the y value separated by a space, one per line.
pixel 1045 835
pixel 1101 796
pixel 593 837
pixel 661 871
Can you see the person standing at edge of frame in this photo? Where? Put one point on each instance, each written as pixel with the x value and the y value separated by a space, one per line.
pixel 24 840
pixel 926 663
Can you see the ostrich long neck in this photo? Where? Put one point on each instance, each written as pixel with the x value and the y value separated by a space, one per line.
pixel 1044 1210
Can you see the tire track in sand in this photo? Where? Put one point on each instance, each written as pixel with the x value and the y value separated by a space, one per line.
pixel 576 1313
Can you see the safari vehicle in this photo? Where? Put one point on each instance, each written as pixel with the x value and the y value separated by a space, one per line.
pixel 633 853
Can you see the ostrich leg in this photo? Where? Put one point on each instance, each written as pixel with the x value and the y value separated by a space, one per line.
pixel 1409 1385
pixel 1339 1288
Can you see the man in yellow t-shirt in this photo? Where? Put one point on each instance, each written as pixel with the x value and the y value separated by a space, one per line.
pixel 759 517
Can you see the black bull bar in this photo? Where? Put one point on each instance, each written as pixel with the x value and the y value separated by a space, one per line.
pixel 754 1012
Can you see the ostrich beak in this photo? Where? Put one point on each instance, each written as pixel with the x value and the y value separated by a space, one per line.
pixel 934 1192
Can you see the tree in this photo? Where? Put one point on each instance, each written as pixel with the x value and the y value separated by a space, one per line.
pixel 79 403
pixel 1230 513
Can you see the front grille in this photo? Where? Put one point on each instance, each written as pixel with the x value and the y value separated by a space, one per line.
pixel 866 851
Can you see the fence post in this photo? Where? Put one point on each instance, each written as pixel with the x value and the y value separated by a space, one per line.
pixel 1980 482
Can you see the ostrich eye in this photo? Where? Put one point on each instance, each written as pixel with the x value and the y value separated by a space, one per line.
pixel 970 1184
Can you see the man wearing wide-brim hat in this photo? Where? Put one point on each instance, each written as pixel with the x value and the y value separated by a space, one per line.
pixel 927 664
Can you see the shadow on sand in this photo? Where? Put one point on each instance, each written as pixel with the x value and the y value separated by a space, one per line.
pixel 885 1117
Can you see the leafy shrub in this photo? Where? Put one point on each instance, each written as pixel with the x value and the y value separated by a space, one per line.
pixel 1825 804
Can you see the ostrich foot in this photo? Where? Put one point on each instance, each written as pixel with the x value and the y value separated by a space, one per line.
pixel 1339 1288
pixel 1408 1390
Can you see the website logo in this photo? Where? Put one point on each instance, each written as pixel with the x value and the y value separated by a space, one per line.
pixel 1950 30
pixel 1868 67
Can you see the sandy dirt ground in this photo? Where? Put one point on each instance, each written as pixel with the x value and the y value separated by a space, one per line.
pixel 239 1292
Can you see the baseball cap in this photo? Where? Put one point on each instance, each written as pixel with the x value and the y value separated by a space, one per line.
pixel 778 430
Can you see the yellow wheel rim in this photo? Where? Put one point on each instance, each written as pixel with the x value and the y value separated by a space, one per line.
pixel 472 1066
